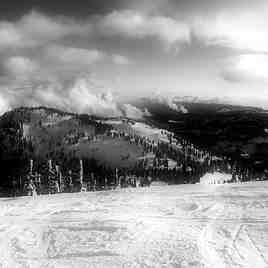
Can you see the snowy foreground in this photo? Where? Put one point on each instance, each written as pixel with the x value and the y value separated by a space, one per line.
pixel 162 226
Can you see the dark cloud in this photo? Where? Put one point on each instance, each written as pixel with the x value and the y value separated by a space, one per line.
pixel 13 9
pixel 49 49
pixel 206 7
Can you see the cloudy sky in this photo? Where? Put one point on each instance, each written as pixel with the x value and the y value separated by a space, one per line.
pixel 82 55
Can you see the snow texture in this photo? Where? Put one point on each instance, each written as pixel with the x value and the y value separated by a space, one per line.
pixel 161 226
pixel 215 178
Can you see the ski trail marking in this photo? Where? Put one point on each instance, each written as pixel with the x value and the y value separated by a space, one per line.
pixel 207 245
pixel 249 254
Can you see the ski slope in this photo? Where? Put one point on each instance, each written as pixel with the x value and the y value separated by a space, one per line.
pixel 162 226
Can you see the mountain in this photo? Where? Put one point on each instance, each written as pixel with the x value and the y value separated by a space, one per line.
pixel 239 132
pixel 235 132
pixel 46 133
pixel 189 104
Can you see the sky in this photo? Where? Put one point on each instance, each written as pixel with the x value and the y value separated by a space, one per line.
pixel 84 56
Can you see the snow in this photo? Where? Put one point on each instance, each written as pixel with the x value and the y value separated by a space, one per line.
pixel 145 130
pixel 26 130
pixel 172 164
pixel 161 226
pixel 150 132
pixel 112 122
pixel 183 109
pixel 215 178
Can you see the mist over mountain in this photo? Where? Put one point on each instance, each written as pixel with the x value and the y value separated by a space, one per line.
pixel 237 132
pixel 190 104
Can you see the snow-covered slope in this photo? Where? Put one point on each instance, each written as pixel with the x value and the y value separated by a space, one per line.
pixel 215 178
pixel 162 226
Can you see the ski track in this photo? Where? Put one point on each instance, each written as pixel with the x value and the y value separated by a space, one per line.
pixel 237 249
pixel 162 226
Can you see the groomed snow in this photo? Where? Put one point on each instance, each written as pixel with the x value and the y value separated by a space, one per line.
pixel 215 178
pixel 161 226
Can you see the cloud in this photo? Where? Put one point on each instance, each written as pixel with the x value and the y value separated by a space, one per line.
pixel 9 36
pixel 73 55
pixel 4 105
pixel 135 25
pixel 79 96
pixel 243 30
pixel 246 67
pixel 52 45
pixel 133 112
pixel 20 66
pixel 50 54
pixel 84 101
pixel 121 60
pixel 35 29
pixel 44 28
pixel 183 109
pixel 165 100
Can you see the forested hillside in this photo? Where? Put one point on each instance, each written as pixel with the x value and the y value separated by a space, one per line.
pixel 41 134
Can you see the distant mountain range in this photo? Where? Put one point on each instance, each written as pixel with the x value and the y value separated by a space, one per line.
pixel 240 132
pixel 189 104
pixel 41 133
